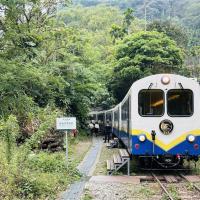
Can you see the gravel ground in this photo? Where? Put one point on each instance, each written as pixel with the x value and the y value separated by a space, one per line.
pixel 183 191
pixel 118 191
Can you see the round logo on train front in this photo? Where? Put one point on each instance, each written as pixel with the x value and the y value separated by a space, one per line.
pixel 166 126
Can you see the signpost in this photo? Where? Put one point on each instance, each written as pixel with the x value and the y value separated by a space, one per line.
pixel 64 124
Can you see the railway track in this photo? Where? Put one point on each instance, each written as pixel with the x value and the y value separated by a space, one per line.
pixel 183 188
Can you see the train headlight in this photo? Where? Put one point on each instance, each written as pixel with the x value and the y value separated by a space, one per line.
pixel 165 80
pixel 191 138
pixel 142 138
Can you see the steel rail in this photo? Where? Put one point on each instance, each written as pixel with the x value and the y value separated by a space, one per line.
pixel 195 186
pixel 162 186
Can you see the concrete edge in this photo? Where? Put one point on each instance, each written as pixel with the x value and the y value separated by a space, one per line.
pixel 96 160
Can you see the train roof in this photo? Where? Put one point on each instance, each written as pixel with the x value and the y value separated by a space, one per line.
pixel 155 78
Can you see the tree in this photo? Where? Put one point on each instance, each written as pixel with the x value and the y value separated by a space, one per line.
pixel 143 54
pixel 116 33
pixel 22 22
pixel 119 32
pixel 172 30
pixel 193 61
pixel 128 18
pixel 92 29
pixel 68 60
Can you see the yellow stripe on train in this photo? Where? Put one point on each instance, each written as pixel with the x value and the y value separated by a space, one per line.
pixel 172 144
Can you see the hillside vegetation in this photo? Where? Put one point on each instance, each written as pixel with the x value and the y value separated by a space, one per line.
pixel 59 58
pixel 185 12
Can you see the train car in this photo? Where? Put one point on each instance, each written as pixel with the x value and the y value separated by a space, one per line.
pixel 159 119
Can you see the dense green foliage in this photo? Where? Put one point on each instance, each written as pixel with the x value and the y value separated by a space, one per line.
pixel 142 54
pixel 43 76
pixel 172 30
pixel 98 49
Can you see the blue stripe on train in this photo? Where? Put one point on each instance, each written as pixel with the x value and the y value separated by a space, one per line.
pixel 146 147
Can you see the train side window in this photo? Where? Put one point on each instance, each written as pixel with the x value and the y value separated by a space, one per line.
pixel 109 117
pixel 116 118
pixel 125 108
pixel 151 103
pixel 180 103
pixel 100 117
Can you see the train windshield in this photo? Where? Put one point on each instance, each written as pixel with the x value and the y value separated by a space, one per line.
pixel 180 102
pixel 151 102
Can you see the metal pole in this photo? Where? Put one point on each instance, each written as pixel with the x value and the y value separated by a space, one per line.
pixel 66 150
pixel 128 167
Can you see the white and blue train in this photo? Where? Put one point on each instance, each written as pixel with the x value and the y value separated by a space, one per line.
pixel 159 119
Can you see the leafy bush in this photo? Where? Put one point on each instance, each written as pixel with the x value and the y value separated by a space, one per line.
pixel 27 187
pixel 43 176
pixel 47 162
pixel 9 131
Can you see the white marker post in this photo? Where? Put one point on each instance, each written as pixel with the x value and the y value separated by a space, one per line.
pixel 66 123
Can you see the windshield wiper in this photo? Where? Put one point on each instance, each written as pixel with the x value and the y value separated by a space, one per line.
pixel 181 86
pixel 150 86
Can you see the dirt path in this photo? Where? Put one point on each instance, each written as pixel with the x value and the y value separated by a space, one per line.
pixel 86 167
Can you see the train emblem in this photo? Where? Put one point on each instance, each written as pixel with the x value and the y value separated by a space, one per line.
pixel 166 127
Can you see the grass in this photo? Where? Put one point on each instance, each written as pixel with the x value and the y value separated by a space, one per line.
pixel 106 154
pixel 190 186
pixel 173 191
pixel 79 147
pixel 146 191
pixel 43 175
pixel 87 195
pixel 191 165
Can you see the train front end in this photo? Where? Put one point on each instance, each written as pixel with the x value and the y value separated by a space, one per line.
pixel 165 119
